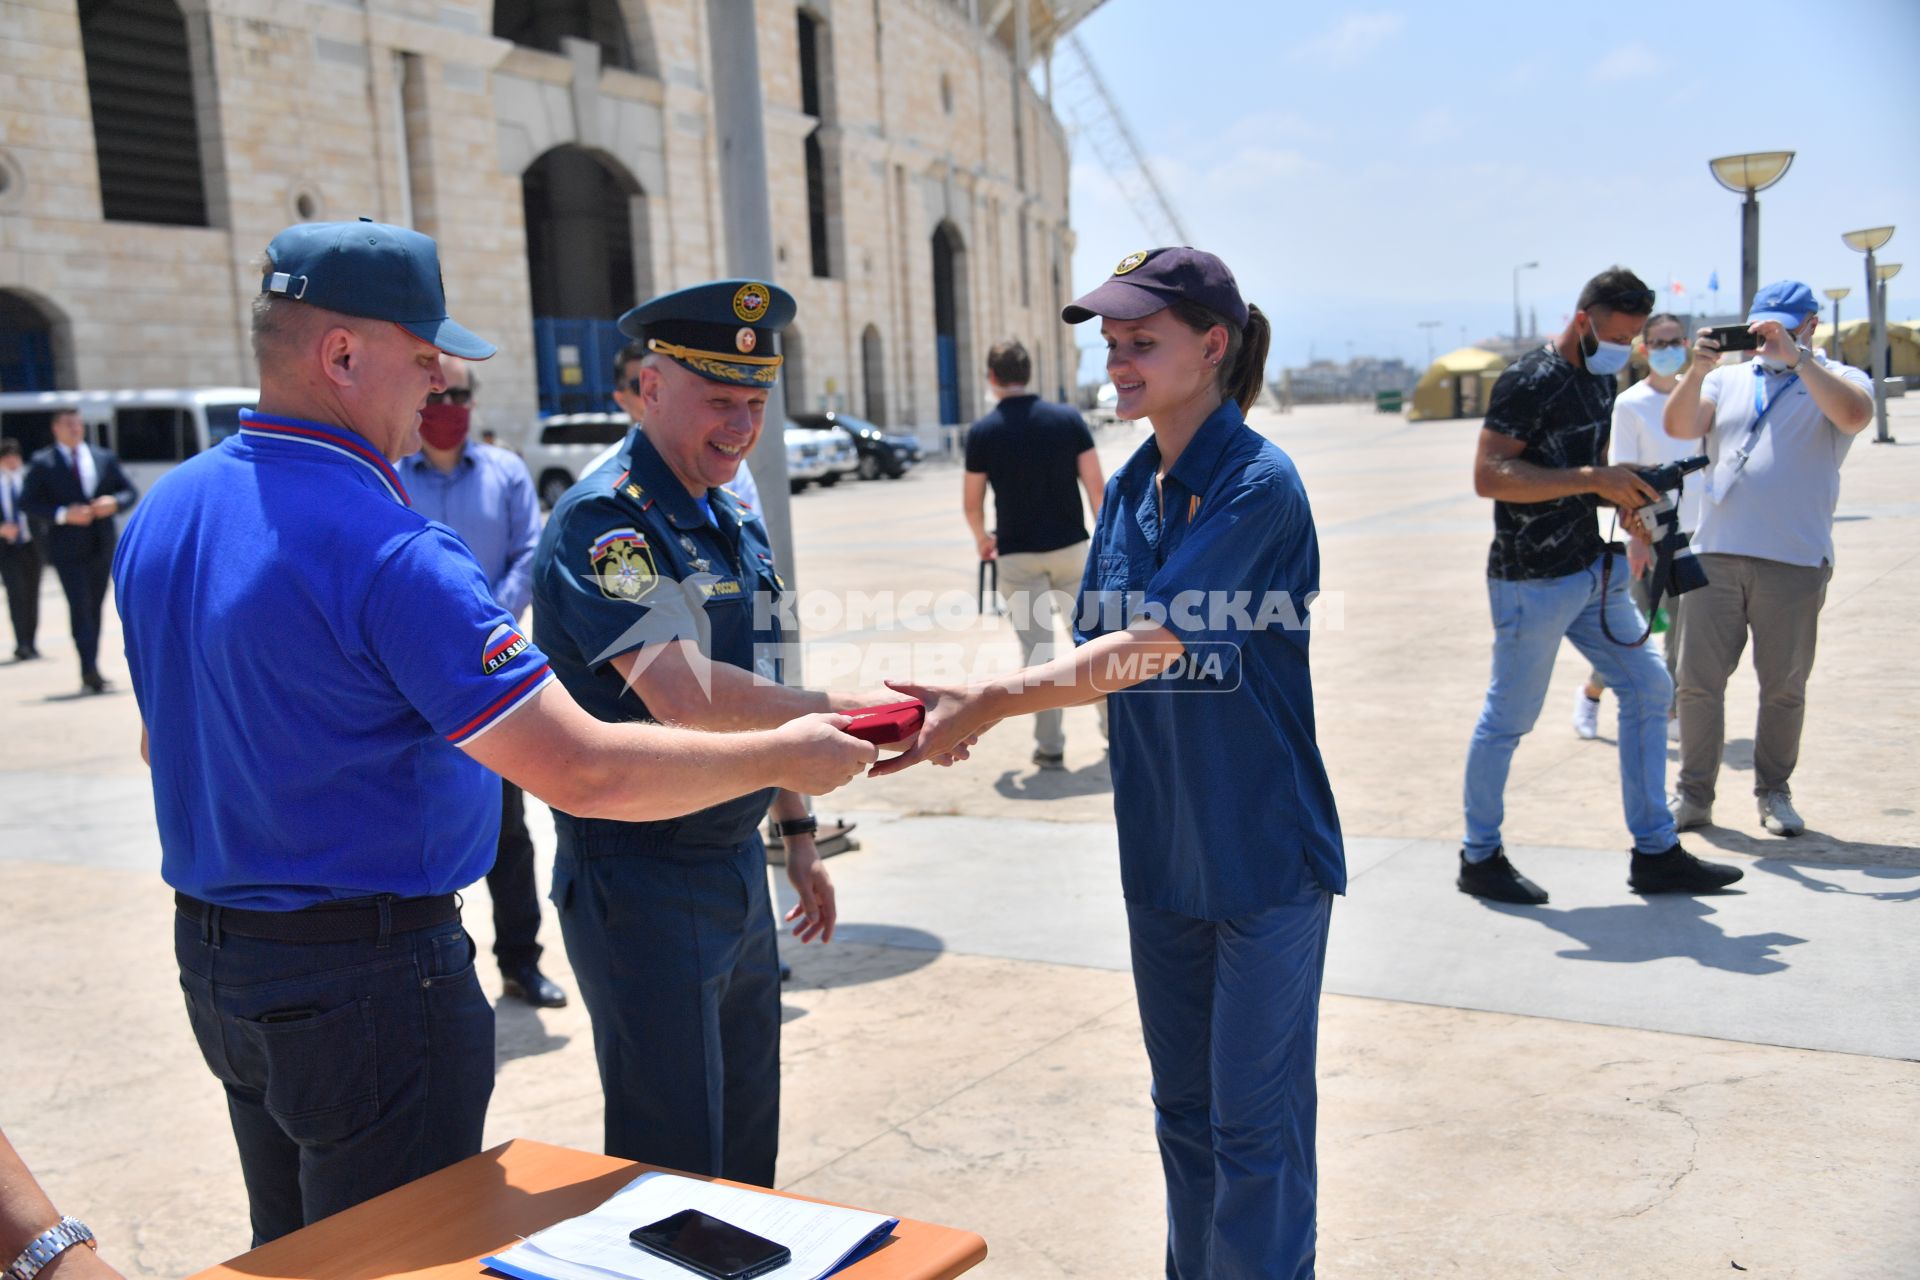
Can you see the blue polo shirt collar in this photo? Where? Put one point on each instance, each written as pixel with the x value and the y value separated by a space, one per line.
pixel 647 469
pixel 1191 472
pixel 327 439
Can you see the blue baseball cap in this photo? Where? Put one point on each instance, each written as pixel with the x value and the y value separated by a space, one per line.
pixel 1787 301
pixel 725 331
pixel 1150 279
pixel 372 270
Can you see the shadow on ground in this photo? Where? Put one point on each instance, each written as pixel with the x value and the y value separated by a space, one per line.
pixel 1055 784
pixel 1674 927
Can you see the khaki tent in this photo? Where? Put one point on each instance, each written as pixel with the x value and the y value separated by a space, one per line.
pixel 1903 337
pixel 1456 385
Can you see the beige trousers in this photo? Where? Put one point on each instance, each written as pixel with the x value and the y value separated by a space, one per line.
pixel 1779 604
pixel 1039 587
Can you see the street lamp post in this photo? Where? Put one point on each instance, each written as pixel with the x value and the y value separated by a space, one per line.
pixel 1750 174
pixel 1518 334
pixel 1866 241
pixel 1430 326
pixel 1883 354
pixel 1836 293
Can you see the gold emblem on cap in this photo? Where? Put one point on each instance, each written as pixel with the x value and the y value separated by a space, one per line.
pixel 1131 261
pixel 746 340
pixel 750 302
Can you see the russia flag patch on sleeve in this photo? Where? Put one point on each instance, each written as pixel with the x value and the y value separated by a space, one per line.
pixel 503 646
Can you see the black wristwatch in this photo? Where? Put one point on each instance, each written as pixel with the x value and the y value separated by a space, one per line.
pixel 796 827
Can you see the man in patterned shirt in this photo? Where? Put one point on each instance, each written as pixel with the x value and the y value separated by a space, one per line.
pixel 1542 458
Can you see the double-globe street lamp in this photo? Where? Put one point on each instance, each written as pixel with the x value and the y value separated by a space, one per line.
pixel 1750 174
pixel 1867 241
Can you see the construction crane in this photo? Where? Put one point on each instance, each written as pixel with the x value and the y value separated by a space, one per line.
pixel 1084 104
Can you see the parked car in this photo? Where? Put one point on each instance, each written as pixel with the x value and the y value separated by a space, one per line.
pixel 880 453
pixel 152 431
pixel 1105 401
pixel 568 446
pixel 817 456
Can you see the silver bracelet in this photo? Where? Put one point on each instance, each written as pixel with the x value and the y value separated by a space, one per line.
pixel 48 1245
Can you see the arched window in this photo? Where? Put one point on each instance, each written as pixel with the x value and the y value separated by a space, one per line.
pixel 951 321
pixel 541 24
pixel 146 129
pixel 31 358
pixel 816 100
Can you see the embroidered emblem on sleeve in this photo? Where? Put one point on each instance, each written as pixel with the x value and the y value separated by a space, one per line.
pixel 503 645
pixel 622 564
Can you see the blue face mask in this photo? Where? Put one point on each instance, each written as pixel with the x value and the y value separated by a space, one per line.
pixel 1667 361
pixel 1603 357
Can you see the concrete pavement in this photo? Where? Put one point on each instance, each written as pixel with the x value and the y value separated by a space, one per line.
pixel 1605 1086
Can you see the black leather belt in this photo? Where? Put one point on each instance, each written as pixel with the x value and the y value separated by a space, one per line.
pixel 349 920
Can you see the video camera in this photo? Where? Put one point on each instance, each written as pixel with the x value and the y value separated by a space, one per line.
pixel 1676 570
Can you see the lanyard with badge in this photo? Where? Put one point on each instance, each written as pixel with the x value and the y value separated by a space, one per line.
pixel 1727 473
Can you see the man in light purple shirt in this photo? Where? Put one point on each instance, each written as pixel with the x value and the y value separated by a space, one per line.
pixel 484 494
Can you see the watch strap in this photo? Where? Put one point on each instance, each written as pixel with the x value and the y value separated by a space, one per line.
pixel 796 827
pixel 48 1245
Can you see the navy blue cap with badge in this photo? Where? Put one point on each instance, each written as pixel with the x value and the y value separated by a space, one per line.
pixel 725 331
pixel 1153 279
pixel 372 270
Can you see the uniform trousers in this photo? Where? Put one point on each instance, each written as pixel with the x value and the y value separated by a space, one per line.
pixel 677 965
pixel 20 568
pixel 350 1067
pixel 1040 587
pixel 1530 617
pixel 1780 604
pixel 85 582
pixel 511 884
pixel 1230 1010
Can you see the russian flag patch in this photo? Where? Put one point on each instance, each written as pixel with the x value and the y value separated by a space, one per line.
pixel 503 646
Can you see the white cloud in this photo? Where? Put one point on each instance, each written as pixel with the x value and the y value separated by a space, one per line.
pixel 1629 62
pixel 1351 39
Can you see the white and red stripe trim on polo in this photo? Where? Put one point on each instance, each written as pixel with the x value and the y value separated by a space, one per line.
pixel 322 436
pixel 502 707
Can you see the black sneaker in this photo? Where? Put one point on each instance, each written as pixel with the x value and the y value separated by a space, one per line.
pixel 1677 871
pixel 1496 880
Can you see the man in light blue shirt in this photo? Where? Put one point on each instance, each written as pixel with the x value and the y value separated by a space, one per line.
pixel 485 495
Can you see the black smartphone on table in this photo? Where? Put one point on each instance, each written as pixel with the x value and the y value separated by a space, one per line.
pixel 711 1246
pixel 1734 337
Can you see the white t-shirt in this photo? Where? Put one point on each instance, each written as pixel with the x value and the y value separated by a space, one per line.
pixel 1782 506
pixel 1639 438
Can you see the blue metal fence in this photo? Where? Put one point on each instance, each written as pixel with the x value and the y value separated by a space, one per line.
pixel 949 357
pixel 573 358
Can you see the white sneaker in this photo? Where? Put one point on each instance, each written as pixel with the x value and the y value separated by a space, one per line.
pixel 1777 814
pixel 1687 815
pixel 1586 715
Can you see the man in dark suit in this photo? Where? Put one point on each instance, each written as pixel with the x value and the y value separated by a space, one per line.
pixel 20 562
pixel 77 490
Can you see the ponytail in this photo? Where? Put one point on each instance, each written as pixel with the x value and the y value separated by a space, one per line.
pixel 1243 369
pixel 1248 375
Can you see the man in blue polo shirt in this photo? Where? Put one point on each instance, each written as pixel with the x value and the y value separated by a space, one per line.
pixel 325 680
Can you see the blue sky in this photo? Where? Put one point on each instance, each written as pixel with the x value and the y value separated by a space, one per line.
pixel 1364 169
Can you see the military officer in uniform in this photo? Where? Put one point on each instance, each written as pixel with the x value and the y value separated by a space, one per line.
pixel 657 598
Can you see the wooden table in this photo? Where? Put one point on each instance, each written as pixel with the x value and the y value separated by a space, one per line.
pixel 443 1224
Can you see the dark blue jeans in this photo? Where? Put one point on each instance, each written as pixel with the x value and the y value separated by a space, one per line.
pixel 350 1067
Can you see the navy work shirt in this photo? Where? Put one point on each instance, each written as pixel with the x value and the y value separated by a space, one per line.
pixel 1222 802
pixel 630 558
pixel 1029 449
pixel 309 656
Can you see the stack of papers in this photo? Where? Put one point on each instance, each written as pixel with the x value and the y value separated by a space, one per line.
pixel 594 1246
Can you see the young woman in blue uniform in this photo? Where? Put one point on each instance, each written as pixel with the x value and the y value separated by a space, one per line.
pixel 1192 621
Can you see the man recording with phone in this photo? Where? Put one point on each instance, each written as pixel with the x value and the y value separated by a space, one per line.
pixel 1542 458
pixel 1777 431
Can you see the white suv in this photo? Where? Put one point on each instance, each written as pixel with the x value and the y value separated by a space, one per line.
pixel 567 446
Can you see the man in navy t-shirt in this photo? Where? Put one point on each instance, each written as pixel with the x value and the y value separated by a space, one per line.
pixel 327 688
pixel 1032 453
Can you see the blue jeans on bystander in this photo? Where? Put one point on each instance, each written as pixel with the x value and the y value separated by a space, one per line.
pixel 1530 617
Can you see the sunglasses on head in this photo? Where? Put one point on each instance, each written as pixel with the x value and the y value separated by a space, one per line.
pixel 452 395
pixel 1632 301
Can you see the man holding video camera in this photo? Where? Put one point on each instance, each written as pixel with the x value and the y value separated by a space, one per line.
pixel 1777 431
pixel 1542 458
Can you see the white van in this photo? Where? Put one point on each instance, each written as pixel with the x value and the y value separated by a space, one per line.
pixel 150 431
